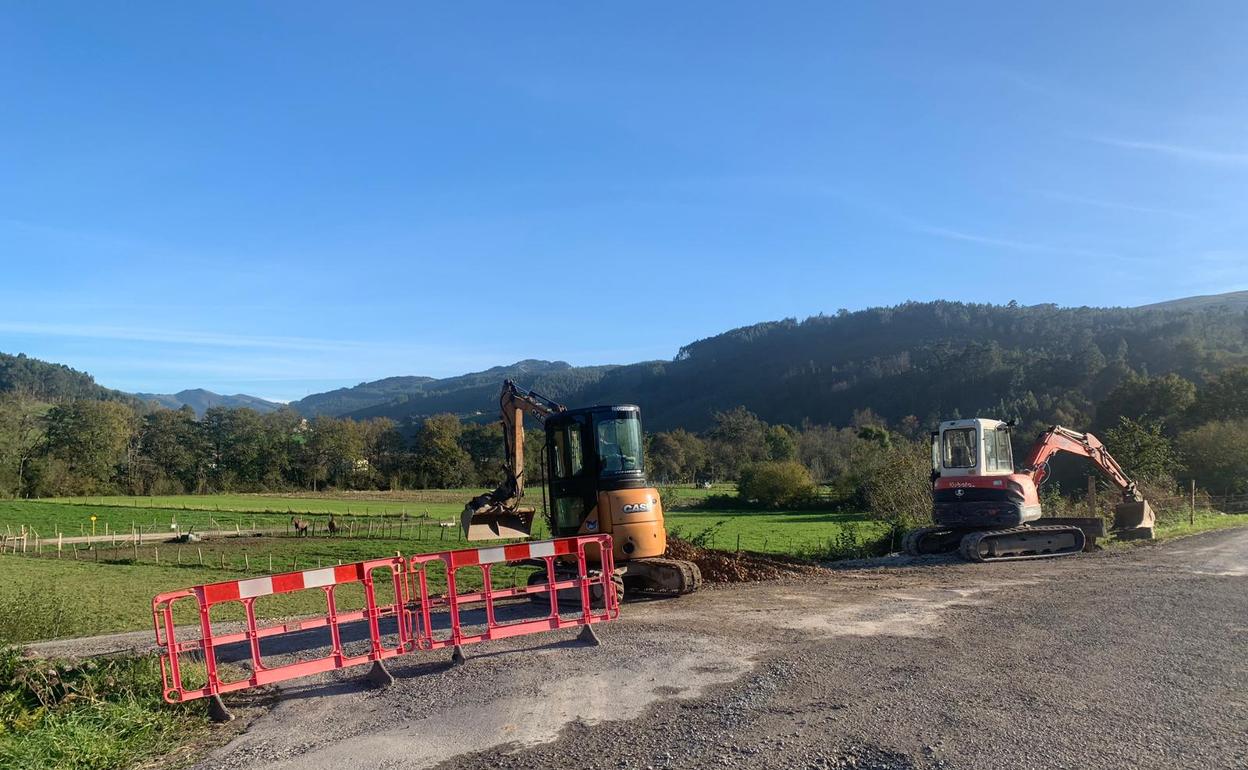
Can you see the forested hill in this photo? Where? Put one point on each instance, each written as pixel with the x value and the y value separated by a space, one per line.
pixel 52 382
pixel 931 361
pixel 408 399
pixel 202 400
pixel 928 360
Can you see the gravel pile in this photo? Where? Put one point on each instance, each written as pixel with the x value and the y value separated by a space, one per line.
pixel 742 567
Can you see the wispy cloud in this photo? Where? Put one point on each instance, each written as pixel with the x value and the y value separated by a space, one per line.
pixel 213 339
pixel 1116 205
pixel 1182 152
pixel 1006 243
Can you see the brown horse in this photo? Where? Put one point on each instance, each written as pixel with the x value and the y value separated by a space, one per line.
pixel 301 526
pixel 332 526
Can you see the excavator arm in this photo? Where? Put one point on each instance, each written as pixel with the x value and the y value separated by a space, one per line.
pixel 498 514
pixel 1058 439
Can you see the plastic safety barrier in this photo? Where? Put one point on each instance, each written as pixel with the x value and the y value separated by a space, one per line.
pixel 408 617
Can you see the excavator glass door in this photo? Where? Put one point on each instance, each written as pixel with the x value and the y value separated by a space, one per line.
pixel 960 448
pixel 619 443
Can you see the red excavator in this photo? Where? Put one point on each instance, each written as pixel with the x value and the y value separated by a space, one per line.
pixel 988 511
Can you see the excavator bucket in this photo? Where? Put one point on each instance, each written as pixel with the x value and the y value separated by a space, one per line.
pixel 1134 521
pixel 496 523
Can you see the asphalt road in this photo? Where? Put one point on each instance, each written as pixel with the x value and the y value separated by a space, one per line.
pixel 1131 658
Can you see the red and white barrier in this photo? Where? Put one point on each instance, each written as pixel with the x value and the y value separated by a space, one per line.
pixel 416 619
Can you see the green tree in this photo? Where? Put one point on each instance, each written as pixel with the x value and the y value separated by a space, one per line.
pixel 334 452
pixel 235 445
pixel 781 443
pixel 22 433
pixel 737 439
pixel 90 442
pixel 775 483
pixel 1216 455
pixel 1149 399
pixel 665 458
pixel 440 461
pixel 897 482
pixel 1143 450
pixel 1223 397
pixel 172 452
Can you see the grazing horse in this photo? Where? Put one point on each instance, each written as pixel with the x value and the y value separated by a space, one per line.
pixel 300 525
pixel 332 525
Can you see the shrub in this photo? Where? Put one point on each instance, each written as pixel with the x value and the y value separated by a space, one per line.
pixel 898 484
pixel 775 483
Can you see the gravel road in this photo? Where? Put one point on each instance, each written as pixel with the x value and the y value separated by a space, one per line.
pixel 1129 658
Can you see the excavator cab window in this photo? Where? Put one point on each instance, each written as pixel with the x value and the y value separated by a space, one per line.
pixel 959 448
pixel 1002 453
pixel 567 454
pixel 619 444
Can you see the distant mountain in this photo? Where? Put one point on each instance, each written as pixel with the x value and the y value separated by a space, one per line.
pixel 928 360
pixel 343 400
pixel 912 364
pixel 52 382
pixel 202 400
pixel 1232 300
pixel 408 399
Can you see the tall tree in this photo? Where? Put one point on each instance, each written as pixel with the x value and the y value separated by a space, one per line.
pixel 91 440
pixel 440 460
pixel 738 438
pixel 1222 397
pixel 22 433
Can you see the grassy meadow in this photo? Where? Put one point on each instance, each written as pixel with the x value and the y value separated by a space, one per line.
pixel 107 588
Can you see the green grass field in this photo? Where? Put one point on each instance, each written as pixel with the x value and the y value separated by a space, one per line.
pixel 105 589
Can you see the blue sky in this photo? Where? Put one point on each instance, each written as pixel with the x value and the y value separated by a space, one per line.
pixel 282 197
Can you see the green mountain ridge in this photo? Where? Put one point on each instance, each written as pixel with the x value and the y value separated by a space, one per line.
pixel 923 361
pixel 202 400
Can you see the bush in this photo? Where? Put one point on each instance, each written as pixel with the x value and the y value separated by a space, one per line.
pixel 898 484
pixel 775 483
pixel 1217 454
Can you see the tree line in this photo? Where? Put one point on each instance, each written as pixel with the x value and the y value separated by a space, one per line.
pixel 93 447
pixel 1162 428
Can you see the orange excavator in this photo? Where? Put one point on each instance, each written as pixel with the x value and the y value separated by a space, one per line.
pixel 989 511
pixel 596 483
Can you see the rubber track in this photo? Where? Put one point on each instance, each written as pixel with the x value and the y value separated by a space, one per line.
pixel 969 547
pixel 911 542
pixel 692 576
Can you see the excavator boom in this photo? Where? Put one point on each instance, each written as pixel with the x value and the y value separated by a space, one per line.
pixel 1133 513
pixel 498 514
pixel 1058 439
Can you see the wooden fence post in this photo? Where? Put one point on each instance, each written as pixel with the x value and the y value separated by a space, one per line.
pixel 1191 511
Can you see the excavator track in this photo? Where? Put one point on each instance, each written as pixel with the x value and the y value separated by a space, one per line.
pixel 659 576
pixel 930 540
pixel 1018 543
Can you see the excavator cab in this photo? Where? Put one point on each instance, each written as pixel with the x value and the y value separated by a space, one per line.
pixel 595 483
pixel 591 451
pixel 975 447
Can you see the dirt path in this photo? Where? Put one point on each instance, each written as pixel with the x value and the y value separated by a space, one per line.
pixel 1134 658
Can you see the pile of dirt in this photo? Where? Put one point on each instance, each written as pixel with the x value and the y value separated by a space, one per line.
pixel 737 567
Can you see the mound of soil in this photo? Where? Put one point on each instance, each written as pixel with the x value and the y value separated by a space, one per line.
pixel 733 567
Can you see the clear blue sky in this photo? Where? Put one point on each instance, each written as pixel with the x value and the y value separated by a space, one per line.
pixel 282 197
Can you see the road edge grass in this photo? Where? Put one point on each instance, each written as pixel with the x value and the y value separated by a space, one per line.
pixel 91 714
pixel 1198 523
